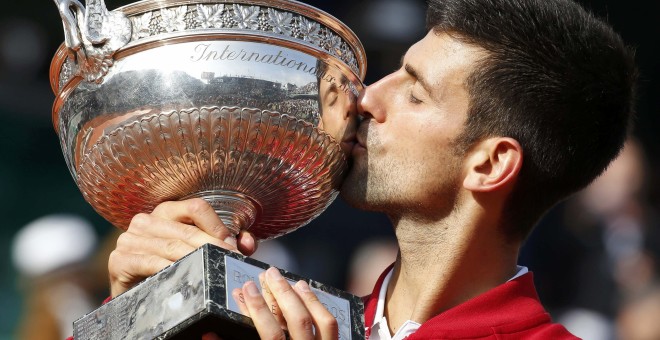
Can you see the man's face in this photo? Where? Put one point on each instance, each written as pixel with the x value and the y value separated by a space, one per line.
pixel 338 111
pixel 405 160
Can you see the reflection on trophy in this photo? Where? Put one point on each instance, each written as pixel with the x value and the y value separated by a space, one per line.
pixel 248 104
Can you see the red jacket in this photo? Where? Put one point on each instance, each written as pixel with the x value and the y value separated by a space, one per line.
pixel 507 312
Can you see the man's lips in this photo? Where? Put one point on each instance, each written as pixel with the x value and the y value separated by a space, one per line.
pixel 359 138
pixel 360 141
pixel 348 143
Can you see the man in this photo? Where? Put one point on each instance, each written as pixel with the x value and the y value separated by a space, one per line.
pixel 503 109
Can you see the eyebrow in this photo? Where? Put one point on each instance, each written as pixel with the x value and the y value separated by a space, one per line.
pixel 420 78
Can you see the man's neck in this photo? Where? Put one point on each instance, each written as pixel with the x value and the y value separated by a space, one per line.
pixel 443 264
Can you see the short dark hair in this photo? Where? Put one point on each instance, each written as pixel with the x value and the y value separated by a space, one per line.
pixel 557 79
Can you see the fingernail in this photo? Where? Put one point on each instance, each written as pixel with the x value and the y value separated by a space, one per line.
pixel 274 273
pixel 263 283
pixel 251 289
pixel 302 286
pixel 231 240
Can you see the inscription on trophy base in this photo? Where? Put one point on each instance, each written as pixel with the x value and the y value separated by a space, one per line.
pixel 193 296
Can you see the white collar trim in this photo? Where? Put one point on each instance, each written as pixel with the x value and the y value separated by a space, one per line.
pixel 380 329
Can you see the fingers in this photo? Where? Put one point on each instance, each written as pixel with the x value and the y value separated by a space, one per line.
pixel 271 301
pixel 299 321
pixel 198 212
pixel 238 296
pixel 170 249
pixel 281 306
pixel 259 311
pixel 247 244
pixel 151 225
pixel 127 269
pixel 173 230
pixel 324 322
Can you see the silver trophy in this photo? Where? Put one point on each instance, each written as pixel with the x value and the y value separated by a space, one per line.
pixel 248 104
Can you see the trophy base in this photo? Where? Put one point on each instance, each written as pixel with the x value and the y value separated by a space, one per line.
pixel 193 297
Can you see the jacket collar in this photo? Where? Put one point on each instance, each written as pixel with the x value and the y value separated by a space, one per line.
pixel 499 306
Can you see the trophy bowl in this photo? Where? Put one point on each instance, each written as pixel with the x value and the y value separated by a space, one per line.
pixel 247 104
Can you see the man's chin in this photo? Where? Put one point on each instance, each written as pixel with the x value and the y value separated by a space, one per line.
pixel 354 187
pixel 351 190
pixel 355 195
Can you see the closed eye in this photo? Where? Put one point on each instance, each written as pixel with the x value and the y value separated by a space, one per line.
pixel 414 99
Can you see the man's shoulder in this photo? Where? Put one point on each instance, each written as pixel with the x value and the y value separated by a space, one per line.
pixel 551 331
pixel 510 311
pixel 547 331
pixel 536 327
pixel 533 327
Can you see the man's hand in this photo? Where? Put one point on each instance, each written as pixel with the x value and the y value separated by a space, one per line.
pixel 282 306
pixel 173 230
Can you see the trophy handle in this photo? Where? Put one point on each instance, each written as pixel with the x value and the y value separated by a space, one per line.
pixel 93 35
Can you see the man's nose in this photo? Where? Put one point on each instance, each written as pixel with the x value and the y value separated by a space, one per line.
pixel 372 101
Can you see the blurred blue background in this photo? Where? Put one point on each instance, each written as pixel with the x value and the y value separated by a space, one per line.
pixel 593 256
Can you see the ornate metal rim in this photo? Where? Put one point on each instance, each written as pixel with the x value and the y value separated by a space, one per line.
pixel 284 20
pixel 296 7
pixel 63 87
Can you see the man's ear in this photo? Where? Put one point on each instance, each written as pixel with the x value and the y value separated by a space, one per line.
pixel 493 164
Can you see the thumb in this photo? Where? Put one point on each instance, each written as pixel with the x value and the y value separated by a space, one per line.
pixel 247 243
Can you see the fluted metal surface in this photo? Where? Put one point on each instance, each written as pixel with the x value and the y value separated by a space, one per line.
pixel 286 166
